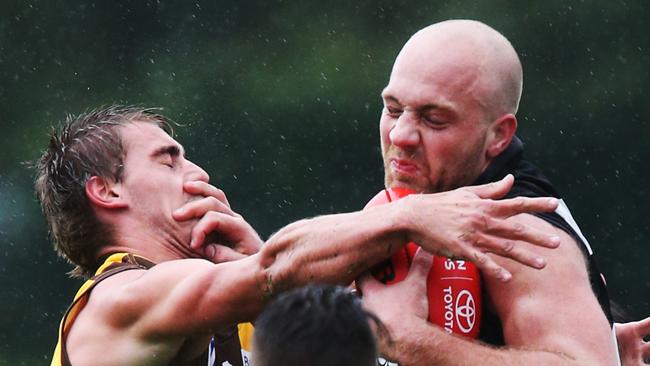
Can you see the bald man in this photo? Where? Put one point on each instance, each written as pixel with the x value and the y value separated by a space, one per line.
pixel 449 121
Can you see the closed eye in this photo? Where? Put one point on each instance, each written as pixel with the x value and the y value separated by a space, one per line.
pixel 434 123
pixel 167 155
pixel 167 160
pixel 393 111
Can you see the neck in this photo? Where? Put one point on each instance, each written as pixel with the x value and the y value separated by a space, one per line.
pixel 155 245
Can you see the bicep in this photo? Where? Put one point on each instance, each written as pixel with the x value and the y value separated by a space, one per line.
pixel 552 309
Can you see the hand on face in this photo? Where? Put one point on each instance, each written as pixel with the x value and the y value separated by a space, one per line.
pixel 220 233
pixel 468 222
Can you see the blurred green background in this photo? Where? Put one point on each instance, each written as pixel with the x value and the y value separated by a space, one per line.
pixel 281 103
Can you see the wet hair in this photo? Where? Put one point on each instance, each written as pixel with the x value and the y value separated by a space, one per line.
pixel 316 325
pixel 84 146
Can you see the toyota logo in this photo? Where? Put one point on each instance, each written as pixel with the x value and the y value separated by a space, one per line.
pixel 465 311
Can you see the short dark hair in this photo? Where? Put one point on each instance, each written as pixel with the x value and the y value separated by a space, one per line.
pixel 316 325
pixel 86 145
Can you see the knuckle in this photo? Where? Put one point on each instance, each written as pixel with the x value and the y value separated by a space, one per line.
pixel 466 236
pixel 475 219
pixel 488 221
pixel 479 257
pixel 497 272
pixel 508 246
pixel 520 202
pixel 197 237
pixel 201 229
pixel 519 228
pixel 480 240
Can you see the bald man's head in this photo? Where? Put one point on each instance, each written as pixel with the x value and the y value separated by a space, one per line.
pixel 478 56
pixel 449 106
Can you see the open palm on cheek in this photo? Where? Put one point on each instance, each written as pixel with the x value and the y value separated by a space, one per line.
pixel 222 234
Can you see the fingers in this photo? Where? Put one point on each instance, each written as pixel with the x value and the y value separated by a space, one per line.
pixel 226 230
pixel 200 207
pixel 420 266
pixel 200 188
pixel 519 205
pixel 510 249
pixel 212 199
pixel 368 283
pixel 469 247
pixel 493 190
pixel 643 326
pixel 645 350
pixel 220 253
pixel 500 237
pixel 511 230
pixel 205 226
pixel 212 222
pixel 488 266
pixel 513 206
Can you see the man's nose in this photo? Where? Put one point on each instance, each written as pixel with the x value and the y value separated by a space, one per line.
pixel 197 173
pixel 405 132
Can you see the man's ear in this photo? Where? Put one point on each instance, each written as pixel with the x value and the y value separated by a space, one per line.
pixel 105 193
pixel 499 134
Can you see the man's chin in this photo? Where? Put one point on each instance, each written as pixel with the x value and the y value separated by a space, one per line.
pixel 406 183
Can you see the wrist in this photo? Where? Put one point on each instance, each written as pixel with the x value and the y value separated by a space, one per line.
pixel 402 344
pixel 400 218
pixel 402 327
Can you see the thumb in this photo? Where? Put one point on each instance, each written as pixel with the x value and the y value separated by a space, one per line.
pixel 217 253
pixel 494 190
pixel 420 267
pixel 644 326
pixel 367 282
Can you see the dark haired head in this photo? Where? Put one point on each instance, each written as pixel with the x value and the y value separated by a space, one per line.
pixel 316 325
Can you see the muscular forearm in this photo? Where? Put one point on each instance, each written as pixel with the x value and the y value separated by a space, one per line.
pixel 416 342
pixel 329 249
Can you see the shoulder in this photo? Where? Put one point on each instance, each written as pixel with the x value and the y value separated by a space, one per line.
pixel 562 280
pixel 101 301
pixel 123 296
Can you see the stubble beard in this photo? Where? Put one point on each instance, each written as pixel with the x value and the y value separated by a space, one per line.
pixel 393 179
pixel 463 174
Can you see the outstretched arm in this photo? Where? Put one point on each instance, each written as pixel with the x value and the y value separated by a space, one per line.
pixel 466 222
pixel 183 298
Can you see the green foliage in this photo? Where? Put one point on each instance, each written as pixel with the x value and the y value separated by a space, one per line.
pixel 280 102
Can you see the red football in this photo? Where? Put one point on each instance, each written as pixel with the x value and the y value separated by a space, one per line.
pixel 453 286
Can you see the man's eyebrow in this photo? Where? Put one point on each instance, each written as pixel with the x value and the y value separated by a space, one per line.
pixel 389 98
pixel 423 108
pixel 171 150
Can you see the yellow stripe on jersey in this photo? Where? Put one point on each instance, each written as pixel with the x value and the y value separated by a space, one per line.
pixel 246 335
